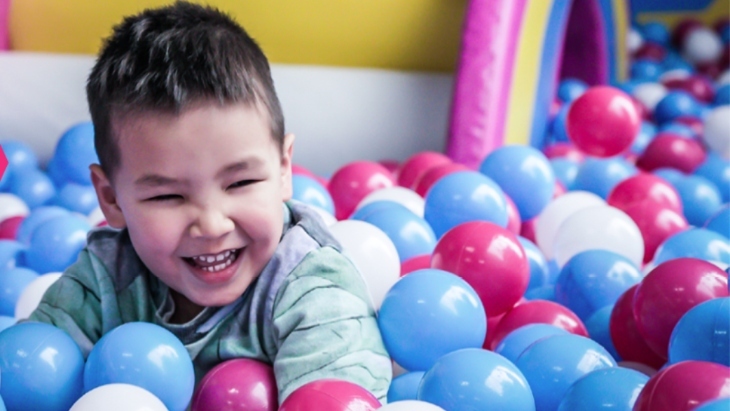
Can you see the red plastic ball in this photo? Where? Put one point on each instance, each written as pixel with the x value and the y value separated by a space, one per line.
pixel 414 167
pixel 9 227
pixel 684 386
pixel 566 150
pixel 488 257
pixel 330 395
pixel 667 150
pixel 603 121
pixel 527 230
pixel 415 263
pixel 537 312
pixel 645 187
pixel 700 87
pixel 514 222
pixel 492 323
pixel 391 165
pixel 239 384
pixel 651 51
pixel 434 174
pixel 670 290
pixel 629 344
pixel 353 181
pixel 656 224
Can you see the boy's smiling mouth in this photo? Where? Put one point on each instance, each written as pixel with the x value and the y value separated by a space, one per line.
pixel 214 262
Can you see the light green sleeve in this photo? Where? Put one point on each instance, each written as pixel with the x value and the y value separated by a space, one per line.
pixel 325 327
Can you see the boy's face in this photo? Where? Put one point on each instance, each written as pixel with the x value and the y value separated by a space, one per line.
pixel 201 194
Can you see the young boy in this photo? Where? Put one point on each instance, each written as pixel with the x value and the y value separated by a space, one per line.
pixel 194 178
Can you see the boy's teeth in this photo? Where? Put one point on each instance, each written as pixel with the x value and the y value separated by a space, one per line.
pixel 206 261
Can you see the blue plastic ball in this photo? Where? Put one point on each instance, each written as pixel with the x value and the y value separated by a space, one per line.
pixel 145 355
pixel 462 197
pixel 593 279
pixel 600 175
pixel 56 243
pixel 12 254
pixel 6 322
pixel 33 186
pixel 42 368
pixel 20 155
pixel 539 270
pixel 75 152
pixel 698 243
pixel 703 333
pixel 558 127
pixel 312 192
pixel 476 379
pixel 645 136
pixel 565 170
pixel 646 70
pixel 430 313
pixel 679 129
pixel 700 199
pixel 722 95
pixel 405 386
pixel 553 364
pixel 676 104
pixel 411 234
pixel 598 327
pixel 717 170
pixel 545 292
pixel 614 389
pixel 675 61
pixel 37 216
pixel 720 222
pixel 376 206
pixel 76 197
pixel 518 340
pixel 672 175
pixel 12 283
pixel 655 32
pixel 524 174
pixel 723 404
pixel 570 89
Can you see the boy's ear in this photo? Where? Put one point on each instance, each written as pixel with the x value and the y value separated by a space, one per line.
pixel 287 152
pixel 107 197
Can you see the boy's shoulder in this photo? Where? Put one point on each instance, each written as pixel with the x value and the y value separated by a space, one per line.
pixel 113 249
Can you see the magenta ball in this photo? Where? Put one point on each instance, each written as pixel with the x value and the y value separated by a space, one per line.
pixel 240 384
pixel 670 290
pixel 672 151
pixel 330 395
pixel 411 170
pixel 645 187
pixel 603 121
pixel 683 386
pixel 353 181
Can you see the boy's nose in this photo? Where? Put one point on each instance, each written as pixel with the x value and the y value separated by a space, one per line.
pixel 211 223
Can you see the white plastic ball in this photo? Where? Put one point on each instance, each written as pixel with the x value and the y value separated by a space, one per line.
pixel 96 217
pixel 119 397
pixel 373 254
pixel 410 405
pixel 702 45
pixel 717 131
pixel 32 295
pixel 724 78
pixel 12 206
pixel 649 94
pixel 634 40
pixel 326 216
pixel 401 195
pixel 675 74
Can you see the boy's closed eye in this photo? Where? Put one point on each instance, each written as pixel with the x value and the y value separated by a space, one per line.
pixel 165 197
pixel 242 183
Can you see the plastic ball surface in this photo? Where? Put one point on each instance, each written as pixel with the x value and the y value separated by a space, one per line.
pixel 462 197
pixel 237 385
pixel 703 333
pixel 80 198
pixel 401 195
pixel 405 386
pixel 434 174
pixel 625 335
pixel 118 397
pixel 42 368
pixel 553 364
pixel 601 175
pixel 656 224
pixel 12 283
pixel 352 182
pixel 556 212
pixel 146 355
pixel 474 379
pixel 56 243
pixel 427 314
pixel 514 343
pixel 34 219
pixel 310 191
pixel 717 131
pixel 74 153
pixel 668 150
pixel 645 187
pixel 722 404
pixel 524 174
pixel 683 386
pixel 32 294
pixel 670 290
pixel 490 258
pixel 720 221
pixel 717 170
pixel 411 170
pixel 330 395
pixel 599 330
pixel 676 103
pixel 603 121
pixel 32 186
pixel 700 198
pixel 539 269
pixel 698 243
pixel 411 234
pixel 614 389
pixel 410 405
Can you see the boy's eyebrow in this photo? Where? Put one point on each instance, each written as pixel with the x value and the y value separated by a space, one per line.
pixel 155 180
pixel 245 164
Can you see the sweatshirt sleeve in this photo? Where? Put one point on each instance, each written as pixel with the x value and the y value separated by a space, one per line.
pixel 325 327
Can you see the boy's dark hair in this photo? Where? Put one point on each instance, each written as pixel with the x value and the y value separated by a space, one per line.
pixel 166 58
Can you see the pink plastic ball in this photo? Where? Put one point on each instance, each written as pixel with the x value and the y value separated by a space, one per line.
pixel 527 230
pixel 434 174
pixel 645 187
pixel 684 386
pixel 237 385
pixel 514 222
pixel 413 168
pixel 537 312
pixel 650 51
pixel 330 395
pixel 566 150
pixel 700 87
pixel 301 170
pixel 667 150
pixel 655 223
pixel 488 257
pixel 670 290
pixel 603 121
pixel 492 323
pixel 629 344
pixel 353 181
pixel 9 227
pixel 415 263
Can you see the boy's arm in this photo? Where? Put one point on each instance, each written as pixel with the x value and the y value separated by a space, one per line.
pixel 325 327
pixel 72 303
